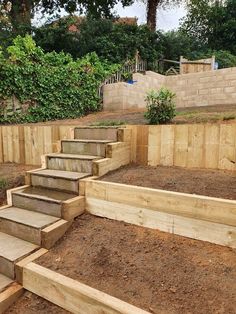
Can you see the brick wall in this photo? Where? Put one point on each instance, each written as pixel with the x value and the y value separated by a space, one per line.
pixel 192 90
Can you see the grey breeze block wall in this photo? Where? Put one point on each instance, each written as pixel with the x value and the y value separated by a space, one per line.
pixel 192 90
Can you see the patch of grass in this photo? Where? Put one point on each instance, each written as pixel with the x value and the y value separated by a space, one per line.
pixel 3 183
pixel 229 117
pixel 186 113
pixel 108 123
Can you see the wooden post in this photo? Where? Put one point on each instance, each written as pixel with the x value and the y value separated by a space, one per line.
pixel 213 59
pixel 136 61
pixel 181 65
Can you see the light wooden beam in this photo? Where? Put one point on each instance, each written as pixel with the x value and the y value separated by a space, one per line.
pixel 72 295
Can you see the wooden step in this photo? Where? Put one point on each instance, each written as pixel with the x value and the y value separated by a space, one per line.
pixel 4 282
pixel 41 200
pixel 50 202
pixel 12 250
pixel 96 133
pixel 67 181
pixel 85 147
pixel 71 162
pixel 24 224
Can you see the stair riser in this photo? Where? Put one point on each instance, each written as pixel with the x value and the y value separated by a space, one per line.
pixel 7 268
pixel 55 183
pixel 21 231
pixel 95 149
pixel 40 206
pixel 96 134
pixel 65 164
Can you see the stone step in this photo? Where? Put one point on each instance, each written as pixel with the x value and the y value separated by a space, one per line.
pixel 12 250
pixel 24 224
pixel 66 181
pixel 96 133
pixel 71 162
pixel 41 200
pixel 4 282
pixel 85 147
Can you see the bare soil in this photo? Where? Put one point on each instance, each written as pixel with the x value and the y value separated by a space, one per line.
pixel 159 272
pixel 11 176
pixel 30 303
pixel 209 114
pixel 214 183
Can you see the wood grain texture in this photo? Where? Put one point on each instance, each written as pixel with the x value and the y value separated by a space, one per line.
pixel 9 296
pixel 199 217
pixel 188 227
pixel 209 146
pixel 188 205
pixel 72 295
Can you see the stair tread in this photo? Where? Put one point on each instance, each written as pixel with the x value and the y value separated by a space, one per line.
pixel 27 217
pixel 4 282
pixel 88 141
pixel 45 194
pixel 74 156
pixel 13 248
pixel 61 174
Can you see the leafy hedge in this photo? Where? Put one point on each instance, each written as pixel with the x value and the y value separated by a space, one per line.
pixel 56 86
pixel 111 41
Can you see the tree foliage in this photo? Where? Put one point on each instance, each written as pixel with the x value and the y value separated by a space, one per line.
pixel 111 41
pixel 53 84
pixel 213 23
pixel 22 11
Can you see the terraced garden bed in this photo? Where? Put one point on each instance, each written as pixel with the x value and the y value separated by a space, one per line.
pixel 156 271
pixel 214 183
pixel 11 176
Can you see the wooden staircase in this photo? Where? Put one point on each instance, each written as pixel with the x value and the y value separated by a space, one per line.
pixel 39 213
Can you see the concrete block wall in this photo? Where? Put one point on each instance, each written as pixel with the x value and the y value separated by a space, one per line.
pixel 126 96
pixel 192 90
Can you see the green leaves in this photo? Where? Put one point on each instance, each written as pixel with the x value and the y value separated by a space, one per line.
pixel 55 86
pixel 160 106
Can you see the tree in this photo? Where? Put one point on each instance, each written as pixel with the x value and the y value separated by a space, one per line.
pixel 152 6
pixel 22 11
pixel 110 40
pixel 177 43
pixel 213 23
pixel 19 13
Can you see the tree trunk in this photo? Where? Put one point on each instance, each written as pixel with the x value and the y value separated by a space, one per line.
pixel 20 15
pixel 152 14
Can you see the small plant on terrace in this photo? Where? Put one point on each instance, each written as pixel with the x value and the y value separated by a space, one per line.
pixel 3 183
pixel 160 106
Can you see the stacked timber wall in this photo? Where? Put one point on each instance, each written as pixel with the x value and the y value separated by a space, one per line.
pixel 210 146
pixel 192 90
pixel 26 144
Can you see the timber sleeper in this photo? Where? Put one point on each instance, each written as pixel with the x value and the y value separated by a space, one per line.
pixel 85 147
pixel 41 200
pixel 67 181
pixel 71 162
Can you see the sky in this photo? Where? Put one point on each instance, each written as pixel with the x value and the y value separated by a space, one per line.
pixel 166 19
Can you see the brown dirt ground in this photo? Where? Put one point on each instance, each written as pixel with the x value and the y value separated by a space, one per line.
pixel 215 183
pixel 211 114
pixel 11 176
pixel 156 271
pixel 30 303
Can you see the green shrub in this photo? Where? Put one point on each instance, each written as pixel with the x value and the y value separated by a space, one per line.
pixel 160 106
pixel 3 183
pixel 55 85
pixel 111 41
